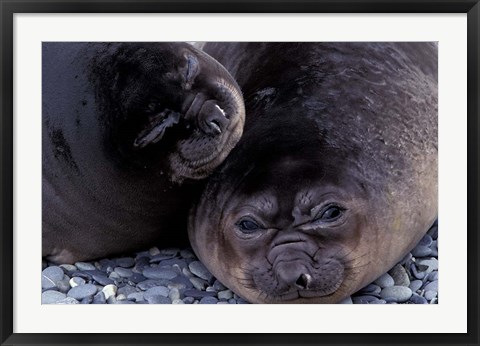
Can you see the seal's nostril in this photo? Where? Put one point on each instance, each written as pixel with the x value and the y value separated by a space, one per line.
pixel 303 281
pixel 215 126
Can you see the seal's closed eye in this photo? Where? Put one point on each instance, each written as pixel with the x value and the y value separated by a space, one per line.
pixel 192 68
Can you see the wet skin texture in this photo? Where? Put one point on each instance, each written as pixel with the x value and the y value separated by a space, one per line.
pixel 335 177
pixel 129 132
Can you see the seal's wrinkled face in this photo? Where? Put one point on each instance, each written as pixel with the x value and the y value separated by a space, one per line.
pixel 174 98
pixel 299 241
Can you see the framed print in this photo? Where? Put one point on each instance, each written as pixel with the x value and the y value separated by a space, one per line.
pixel 239 173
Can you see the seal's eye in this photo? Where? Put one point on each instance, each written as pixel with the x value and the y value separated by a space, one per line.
pixel 248 226
pixel 332 213
pixel 192 67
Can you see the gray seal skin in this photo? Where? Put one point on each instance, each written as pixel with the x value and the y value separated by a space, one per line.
pixel 129 132
pixel 335 177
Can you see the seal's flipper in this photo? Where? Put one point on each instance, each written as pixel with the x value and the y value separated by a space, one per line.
pixel 156 127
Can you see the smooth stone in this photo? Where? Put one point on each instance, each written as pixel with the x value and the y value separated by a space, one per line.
pixel 182 280
pixel 430 264
pixel 426 240
pixel 137 296
pixel 421 251
pixel 52 297
pixel 399 276
pixel 160 258
pixel 199 284
pixel 242 301
pixel 51 275
pixel 233 301
pixel 371 289
pixel 102 279
pixel 429 295
pixel 187 273
pixel 363 299
pixel 417 274
pixel 123 272
pixel 124 302
pixel 433 276
pixel 126 290
pixel 83 274
pixel 156 291
pixel 379 301
pixel 147 284
pixel 141 263
pixel 415 285
pixel 347 300
pixel 82 291
pixel 87 300
pixel 178 301
pixel 106 265
pixel 125 262
pixel 174 261
pixel 219 286
pixel 432 286
pixel 400 293
pixel 154 251
pixel 188 300
pixel 76 281
pixel 158 300
pixel 169 251
pixel 64 285
pixel 121 297
pixel 159 273
pixel 109 291
pixel 210 289
pixel 176 286
pixel 174 294
pixel 187 254
pixel 434 252
pixel 208 300
pixel 226 294
pixel 68 267
pixel 384 281
pixel 434 301
pixel 68 300
pixel 390 300
pixel 99 298
pixel 416 299
pixel 85 266
pixel 136 278
pixel 197 268
pixel 198 294
pixel 114 276
pixel 406 260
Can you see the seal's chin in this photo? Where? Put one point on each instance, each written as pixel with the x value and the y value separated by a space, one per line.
pixel 198 155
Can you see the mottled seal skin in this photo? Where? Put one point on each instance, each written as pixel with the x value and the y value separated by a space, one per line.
pixel 335 177
pixel 129 132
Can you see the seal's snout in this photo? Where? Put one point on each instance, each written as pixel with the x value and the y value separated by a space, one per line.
pixel 293 275
pixel 212 119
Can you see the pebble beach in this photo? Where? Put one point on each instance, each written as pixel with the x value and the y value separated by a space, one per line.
pixel 176 276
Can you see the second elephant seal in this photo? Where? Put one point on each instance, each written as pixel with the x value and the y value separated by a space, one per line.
pixel 335 177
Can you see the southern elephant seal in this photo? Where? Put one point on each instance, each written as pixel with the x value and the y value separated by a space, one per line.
pixel 335 177
pixel 129 132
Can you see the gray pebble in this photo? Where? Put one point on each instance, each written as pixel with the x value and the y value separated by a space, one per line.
pixel 102 279
pixel 198 294
pixel 137 296
pixel 121 297
pixel 76 281
pixel 433 276
pixel 384 281
pixel 85 266
pixel 87 300
pixel 68 300
pixel 159 273
pixel 136 278
pixel 208 300
pixel 429 295
pixel 198 269
pixel 182 280
pixel 147 284
pixel 123 272
pixel 154 251
pixel 188 300
pixel 219 286
pixel 210 289
pixel 160 258
pixel 124 302
pixel 187 254
pixel 174 294
pixel 426 240
pixel 114 276
pixel 232 301
pixel 82 291
pixel 99 298
pixel 370 289
pixel 199 284
pixel 421 251
pixel 158 300
pixel 417 273
pixel 416 299
pixel 176 286
pixel 106 265
pixel 126 290
pixel 406 260
pixel 433 232
pixel 399 276
pixel 125 262
pixel 242 301
pixel 170 251
pixel 415 285
pixel 177 301
pixel 174 261
pixel 51 275
pixel 226 294
pixel 141 263
pixel 434 301
pixel 64 285
pixel 68 268
pixel 363 299
pixel 156 291
pixel 52 297
pixel 400 293
pixel 109 291
pixel 432 286
pixel 430 264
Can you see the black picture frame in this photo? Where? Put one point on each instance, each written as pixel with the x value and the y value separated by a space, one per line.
pixel 9 7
